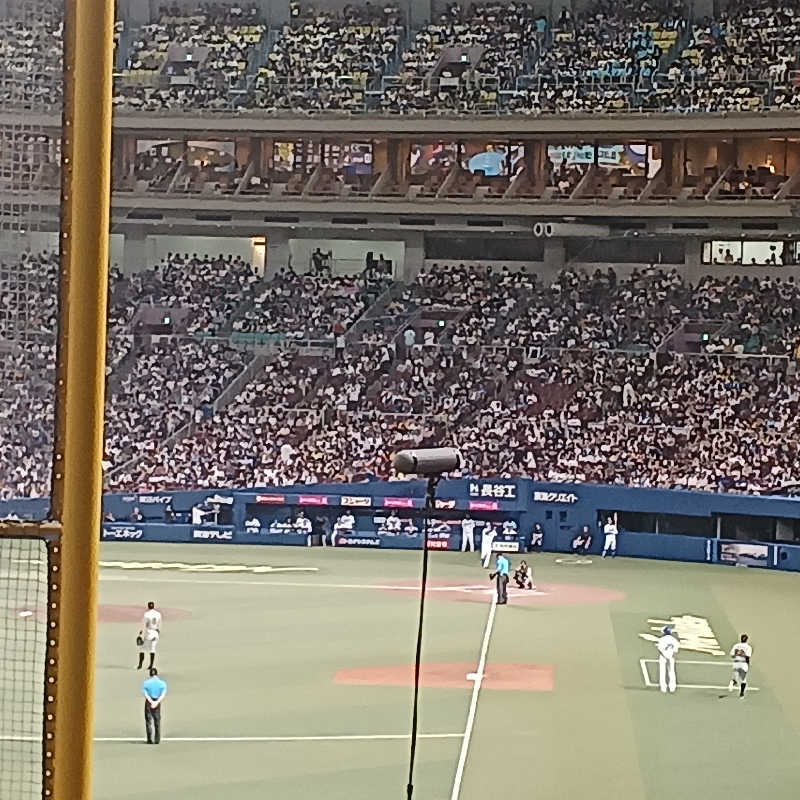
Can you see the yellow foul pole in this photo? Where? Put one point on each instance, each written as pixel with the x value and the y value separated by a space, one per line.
pixel 77 473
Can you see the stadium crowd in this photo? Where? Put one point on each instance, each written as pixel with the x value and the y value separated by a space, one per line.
pixel 607 57
pixel 505 36
pixel 590 395
pixel 191 59
pixel 327 59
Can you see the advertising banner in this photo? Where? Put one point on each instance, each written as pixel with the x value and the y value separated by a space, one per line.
pixel 398 502
pixel 312 500
pixel 207 535
pixel 500 490
pixel 122 532
pixel 439 544
pixel 357 541
pixel 270 499
pixel 483 505
pixel 744 554
pixel 505 546
pixel 355 501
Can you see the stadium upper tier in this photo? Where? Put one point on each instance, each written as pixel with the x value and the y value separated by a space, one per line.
pixel 219 377
pixel 510 58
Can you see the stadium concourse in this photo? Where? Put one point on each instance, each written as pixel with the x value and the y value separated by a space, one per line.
pixel 608 57
pixel 588 377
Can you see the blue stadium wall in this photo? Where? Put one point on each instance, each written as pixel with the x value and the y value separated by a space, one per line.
pixel 560 510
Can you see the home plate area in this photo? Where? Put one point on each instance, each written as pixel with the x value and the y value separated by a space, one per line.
pixel 545 594
pixel 454 675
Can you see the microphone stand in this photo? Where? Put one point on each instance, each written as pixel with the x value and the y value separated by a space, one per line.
pixel 430 505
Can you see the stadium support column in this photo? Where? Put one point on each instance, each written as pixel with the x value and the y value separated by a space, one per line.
pixel 555 255
pixel 77 470
pixel 135 253
pixel 414 256
pixel 277 251
pixel 673 162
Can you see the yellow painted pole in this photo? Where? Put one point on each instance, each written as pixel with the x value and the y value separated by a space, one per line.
pixel 78 479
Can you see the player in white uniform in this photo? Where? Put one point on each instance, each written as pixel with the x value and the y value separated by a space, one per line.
pixel 393 525
pixel 345 524
pixel 610 530
pixel 149 634
pixel 468 534
pixel 487 539
pixel 668 647
pixel 741 653
pixel 302 524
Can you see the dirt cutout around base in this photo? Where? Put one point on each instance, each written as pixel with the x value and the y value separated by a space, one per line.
pixel 454 675
pixel 112 613
pixel 545 594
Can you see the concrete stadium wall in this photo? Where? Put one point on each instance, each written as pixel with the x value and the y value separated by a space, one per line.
pixel 348 255
pixel 41 241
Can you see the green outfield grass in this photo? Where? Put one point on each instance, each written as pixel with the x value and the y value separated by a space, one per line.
pixel 254 660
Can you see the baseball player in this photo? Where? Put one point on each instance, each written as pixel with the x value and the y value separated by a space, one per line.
pixel 610 530
pixel 393 524
pixel 303 524
pixel 149 634
pixel 523 576
pixel 741 653
pixel 668 647
pixel 467 534
pixel 487 540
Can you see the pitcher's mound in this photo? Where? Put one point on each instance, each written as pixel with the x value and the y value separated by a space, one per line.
pixel 454 675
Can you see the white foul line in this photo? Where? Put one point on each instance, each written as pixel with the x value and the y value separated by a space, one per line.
pixel 473 704
pixel 339 738
pixel 643 662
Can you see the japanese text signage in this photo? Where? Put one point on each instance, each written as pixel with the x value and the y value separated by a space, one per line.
pixel 499 491
pixel 555 497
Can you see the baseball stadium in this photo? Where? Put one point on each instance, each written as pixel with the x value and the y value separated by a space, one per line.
pixel 399 400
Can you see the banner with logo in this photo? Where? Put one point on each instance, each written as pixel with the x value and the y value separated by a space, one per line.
pixel 483 505
pixel 357 541
pixel 166 532
pixel 355 501
pixel 398 502
pixel 122 532
pixel 207 535
pixel 312 500
pixel 270 499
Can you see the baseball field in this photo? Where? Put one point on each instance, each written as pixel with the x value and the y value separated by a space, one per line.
pixel 290 671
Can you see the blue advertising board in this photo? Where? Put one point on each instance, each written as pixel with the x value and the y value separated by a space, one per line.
pixel 555 511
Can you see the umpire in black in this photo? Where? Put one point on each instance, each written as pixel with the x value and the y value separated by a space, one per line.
pixel 154 690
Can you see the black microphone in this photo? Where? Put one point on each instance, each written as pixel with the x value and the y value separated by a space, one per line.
pixel 431 461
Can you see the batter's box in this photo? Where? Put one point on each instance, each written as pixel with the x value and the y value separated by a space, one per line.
pixel 706 674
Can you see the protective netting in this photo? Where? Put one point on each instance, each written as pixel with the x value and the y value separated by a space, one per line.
pixel 23 642
pixel 30 120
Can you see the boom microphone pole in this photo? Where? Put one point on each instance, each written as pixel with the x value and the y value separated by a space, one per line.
pixel 430 463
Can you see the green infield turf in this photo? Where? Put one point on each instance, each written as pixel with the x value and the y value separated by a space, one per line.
pixel 289 676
